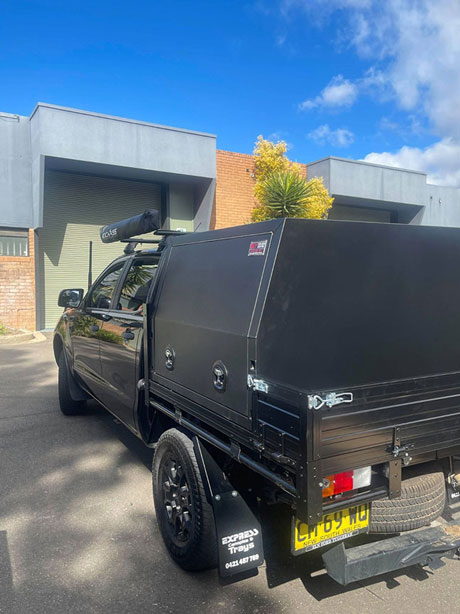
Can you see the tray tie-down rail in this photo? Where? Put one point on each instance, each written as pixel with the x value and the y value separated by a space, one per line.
pixel 424 547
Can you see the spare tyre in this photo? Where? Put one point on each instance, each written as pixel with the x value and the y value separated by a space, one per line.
pixel 423 498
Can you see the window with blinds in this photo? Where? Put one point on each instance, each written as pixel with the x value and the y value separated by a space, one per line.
pixel 14 242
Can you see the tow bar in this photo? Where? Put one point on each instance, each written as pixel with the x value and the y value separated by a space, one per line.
pixel 424 547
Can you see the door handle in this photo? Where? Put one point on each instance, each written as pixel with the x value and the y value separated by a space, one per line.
pixel 127 335
pixel 94 328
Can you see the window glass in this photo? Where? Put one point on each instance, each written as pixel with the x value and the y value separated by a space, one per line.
pixel 102 292
pixel 137 283
pixel 14 242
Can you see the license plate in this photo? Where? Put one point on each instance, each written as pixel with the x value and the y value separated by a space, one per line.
pixel 333 527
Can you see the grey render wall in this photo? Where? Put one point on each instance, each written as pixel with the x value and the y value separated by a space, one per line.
pixel 15 172
pixel 362 184
pixel 78 141
pixel 442 207
pixel 101 139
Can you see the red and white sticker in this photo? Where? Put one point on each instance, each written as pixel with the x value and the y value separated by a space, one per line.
pixel 257 248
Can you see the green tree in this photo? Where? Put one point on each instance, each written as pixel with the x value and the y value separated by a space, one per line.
pixel 281 189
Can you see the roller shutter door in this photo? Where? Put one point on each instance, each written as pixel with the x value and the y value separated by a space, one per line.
pixel 359 214
pixel 75 207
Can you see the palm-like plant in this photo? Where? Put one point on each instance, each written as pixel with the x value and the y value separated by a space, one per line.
pixel 285 194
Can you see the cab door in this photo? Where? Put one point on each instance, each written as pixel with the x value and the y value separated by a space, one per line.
pixel 85 324
pixel 121 340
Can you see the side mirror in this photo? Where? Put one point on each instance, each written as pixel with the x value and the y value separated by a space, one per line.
pixel 103 302
pixel 70 297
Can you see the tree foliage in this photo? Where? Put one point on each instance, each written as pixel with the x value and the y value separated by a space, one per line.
pixel 281 188
pixel 284 194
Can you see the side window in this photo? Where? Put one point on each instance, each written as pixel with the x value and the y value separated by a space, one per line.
pixel 136 286
pixel 102 292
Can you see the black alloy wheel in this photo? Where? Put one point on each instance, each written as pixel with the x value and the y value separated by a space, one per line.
pixel 184 515
pixel 177 500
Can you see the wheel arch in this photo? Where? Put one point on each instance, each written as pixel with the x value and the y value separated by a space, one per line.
pixel 58 346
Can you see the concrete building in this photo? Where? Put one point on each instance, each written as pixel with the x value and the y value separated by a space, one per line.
pixel 65 172
pixel 373 192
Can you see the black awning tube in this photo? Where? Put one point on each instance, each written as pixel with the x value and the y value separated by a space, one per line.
pixel 131 227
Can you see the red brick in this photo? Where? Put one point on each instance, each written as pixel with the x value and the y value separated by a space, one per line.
pixel 234 199
pixel 17 289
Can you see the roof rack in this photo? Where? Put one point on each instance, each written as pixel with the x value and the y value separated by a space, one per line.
pixel 167 233
pixel 132 243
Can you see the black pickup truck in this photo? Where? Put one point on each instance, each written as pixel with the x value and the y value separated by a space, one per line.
pixel 314 364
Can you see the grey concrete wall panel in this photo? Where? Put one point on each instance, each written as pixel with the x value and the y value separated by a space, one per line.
pixel 442 206
pixel 321 168
pixel 358 184
pixel 15 172
pixel 80 135
pixel 91 140
pixel 375 182
pixel 204 199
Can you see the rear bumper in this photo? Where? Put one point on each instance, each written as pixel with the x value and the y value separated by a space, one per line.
pixel 423 547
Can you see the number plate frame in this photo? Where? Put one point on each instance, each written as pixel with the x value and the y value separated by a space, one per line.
pixel 354 520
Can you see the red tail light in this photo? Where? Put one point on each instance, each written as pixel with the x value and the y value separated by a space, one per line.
pixel 346 481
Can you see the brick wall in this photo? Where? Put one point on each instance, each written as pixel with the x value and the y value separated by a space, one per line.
pixel 234 198
pixel 17 289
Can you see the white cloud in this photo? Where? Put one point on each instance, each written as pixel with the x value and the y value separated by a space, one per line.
pixel 420 46
pixel 416 45
pixel 341 137
pixel 339 92
pixel 412 126
pixel 415 49
pixel 440 161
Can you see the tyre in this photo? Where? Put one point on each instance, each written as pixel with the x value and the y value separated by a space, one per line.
pixel 68 405
pixel 184 516
pixel 423 498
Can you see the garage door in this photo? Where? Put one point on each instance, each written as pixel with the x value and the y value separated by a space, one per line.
pixel 359 214
pixel 75 207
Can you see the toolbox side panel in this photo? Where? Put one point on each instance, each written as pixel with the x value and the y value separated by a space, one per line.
pixel 358 303
pixel 204 313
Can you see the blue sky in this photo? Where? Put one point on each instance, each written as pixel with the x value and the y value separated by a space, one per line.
pixel 352 78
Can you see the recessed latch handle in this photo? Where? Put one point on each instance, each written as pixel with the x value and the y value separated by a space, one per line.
pixel 170 358
pixel 220 374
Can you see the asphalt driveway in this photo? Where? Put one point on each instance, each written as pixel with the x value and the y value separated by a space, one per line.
pixel 78 531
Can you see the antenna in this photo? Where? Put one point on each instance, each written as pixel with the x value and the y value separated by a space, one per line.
pixel 90 265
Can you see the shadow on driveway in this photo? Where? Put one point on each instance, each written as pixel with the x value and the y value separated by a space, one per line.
pixel 77 525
